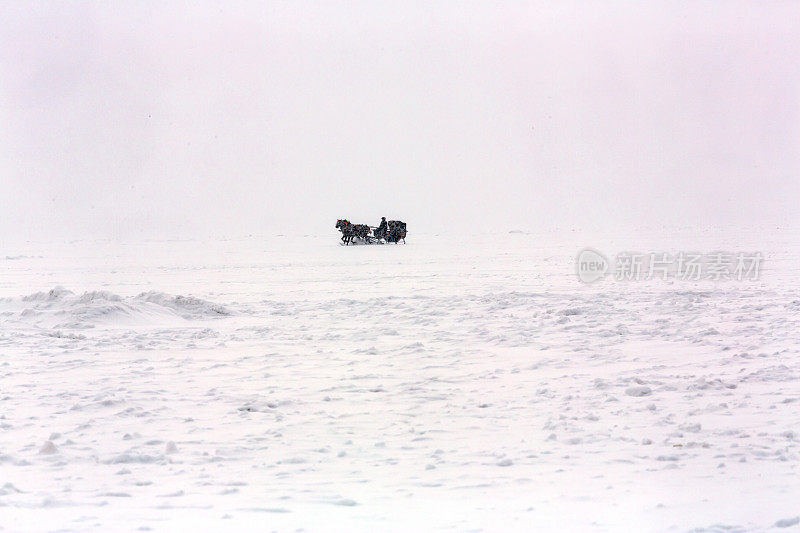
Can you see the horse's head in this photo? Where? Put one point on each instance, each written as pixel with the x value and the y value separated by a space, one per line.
pixel 342 223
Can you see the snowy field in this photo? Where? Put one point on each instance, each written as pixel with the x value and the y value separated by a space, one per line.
pixel 292 384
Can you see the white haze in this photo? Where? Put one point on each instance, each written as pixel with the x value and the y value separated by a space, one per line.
pixel 129 120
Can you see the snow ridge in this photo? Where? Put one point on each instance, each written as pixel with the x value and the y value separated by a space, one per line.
pixel 62 308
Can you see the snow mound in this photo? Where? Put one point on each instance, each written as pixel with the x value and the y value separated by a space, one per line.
pixel 186 306
pixel 62 308
pixel 55 293
pixel 638 391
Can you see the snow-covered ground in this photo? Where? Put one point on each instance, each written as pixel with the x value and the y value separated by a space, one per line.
pixel 288 383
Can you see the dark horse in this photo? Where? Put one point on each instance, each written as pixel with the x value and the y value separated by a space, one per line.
pixel 350 232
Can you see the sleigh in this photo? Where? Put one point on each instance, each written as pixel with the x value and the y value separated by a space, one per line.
pixel 394 232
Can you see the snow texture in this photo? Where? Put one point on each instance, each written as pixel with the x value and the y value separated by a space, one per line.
pixel 279 384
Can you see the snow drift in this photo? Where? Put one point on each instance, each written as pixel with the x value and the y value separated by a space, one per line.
pixel 61 308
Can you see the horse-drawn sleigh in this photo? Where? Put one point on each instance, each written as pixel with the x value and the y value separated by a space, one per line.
pixel 392 231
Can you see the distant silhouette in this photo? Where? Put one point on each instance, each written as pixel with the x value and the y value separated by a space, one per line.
pixel 381 231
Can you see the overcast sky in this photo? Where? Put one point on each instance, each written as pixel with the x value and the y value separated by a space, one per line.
pixel 136 119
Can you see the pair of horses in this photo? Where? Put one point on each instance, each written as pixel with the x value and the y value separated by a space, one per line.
pixel 350 232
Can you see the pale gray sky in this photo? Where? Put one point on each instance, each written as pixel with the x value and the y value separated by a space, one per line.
pixel 130 119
